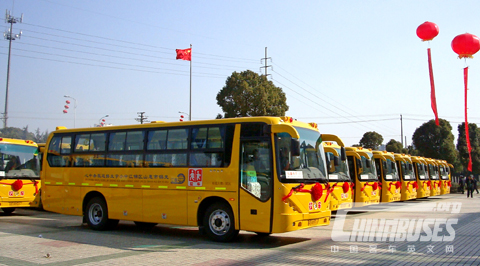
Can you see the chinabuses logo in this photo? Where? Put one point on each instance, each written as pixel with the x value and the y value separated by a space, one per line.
pixel 398 230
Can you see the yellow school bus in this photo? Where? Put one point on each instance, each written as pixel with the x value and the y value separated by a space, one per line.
pixel 19 174
pixel 388 174
pixel 407 176
pixel 362 170
pixel 450 170
pixel 338 174
pixel 444 172
pixel 260 174
pixel 434 176
pixel 421 175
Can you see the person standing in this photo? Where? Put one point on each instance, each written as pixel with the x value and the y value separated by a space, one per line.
pixel 461 182
pixel 474 183
pixel 469 184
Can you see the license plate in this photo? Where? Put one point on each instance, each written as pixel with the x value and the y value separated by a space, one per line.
pixel 313 222
pixel 12 193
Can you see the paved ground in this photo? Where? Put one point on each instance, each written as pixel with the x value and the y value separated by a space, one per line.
pixel 442 230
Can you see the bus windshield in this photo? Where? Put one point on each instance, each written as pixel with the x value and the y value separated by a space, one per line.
pixel 17 161
pixel 420 168
pixel 407 171
pixel 338 172
pixel 310 165
pixel 433 172
pixel 367 172
pixel 390 170
pixel 443 173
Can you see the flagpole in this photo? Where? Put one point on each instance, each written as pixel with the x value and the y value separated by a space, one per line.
pixel 190 107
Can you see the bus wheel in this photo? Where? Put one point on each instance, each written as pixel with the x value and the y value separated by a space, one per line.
pixel 219 223
pixel 8 210
pixel 96 215
pixel 262 234
pixel 144 225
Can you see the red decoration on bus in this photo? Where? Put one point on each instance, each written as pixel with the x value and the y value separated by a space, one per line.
pixel 17 185
pixel 466 45
pixel 427 31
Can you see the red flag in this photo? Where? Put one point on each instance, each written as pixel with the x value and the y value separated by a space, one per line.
pixel 184 54
pixel 467 135
pixel 432 88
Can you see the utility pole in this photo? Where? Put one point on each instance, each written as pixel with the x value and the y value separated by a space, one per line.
pixel 10 37
pixel 142 118
pixel 266 65
pixel 401 128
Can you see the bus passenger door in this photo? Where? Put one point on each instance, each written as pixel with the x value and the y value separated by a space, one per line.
pixel 256 183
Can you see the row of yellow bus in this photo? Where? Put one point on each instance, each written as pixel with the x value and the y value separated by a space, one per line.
pixel 363 176
pixel 260 174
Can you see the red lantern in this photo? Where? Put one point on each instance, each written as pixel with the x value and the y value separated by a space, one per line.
pixel 398 185
pixel 67 101
pixel 375 186
pixel 66 106
pixel 17 185
pixel 345 187
pixel 427 31
pixel 65 111
pixel 466 45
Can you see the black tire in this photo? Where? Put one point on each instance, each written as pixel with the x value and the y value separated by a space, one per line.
pixel 219 223
pixel 262 234
pixel 96 215
pixel 144 225
pixel 8 210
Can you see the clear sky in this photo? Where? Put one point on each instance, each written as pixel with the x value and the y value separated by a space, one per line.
pixel 350 66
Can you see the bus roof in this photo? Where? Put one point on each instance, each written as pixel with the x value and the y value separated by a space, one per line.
pixel 19 142
pixel 279 124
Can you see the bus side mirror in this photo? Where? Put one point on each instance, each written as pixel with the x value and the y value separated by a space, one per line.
pixel 336 162
pixel 359 163
pixel 343 154
pixel 410 167
pixel 295 147
pixel 368 163
pixel 393 165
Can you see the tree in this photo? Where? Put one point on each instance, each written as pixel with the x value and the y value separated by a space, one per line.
pixel 250 94
pixel 17 133
pixel 395 146
pixel 436 142
pixel 474 133
pixel 371 140
pixel 412 151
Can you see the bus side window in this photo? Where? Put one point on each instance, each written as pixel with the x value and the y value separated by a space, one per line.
pixel 58 153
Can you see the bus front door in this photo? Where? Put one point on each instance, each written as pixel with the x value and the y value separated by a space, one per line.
pixel 255 186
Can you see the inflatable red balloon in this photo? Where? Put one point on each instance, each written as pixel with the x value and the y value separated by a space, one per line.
pixel 466 45
pixel 427 31
pixel 345 187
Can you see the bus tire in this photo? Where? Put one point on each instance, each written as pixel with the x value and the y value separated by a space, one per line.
pixel 96 215
pixel 219 223
pixel 262 234
pixel 8 210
